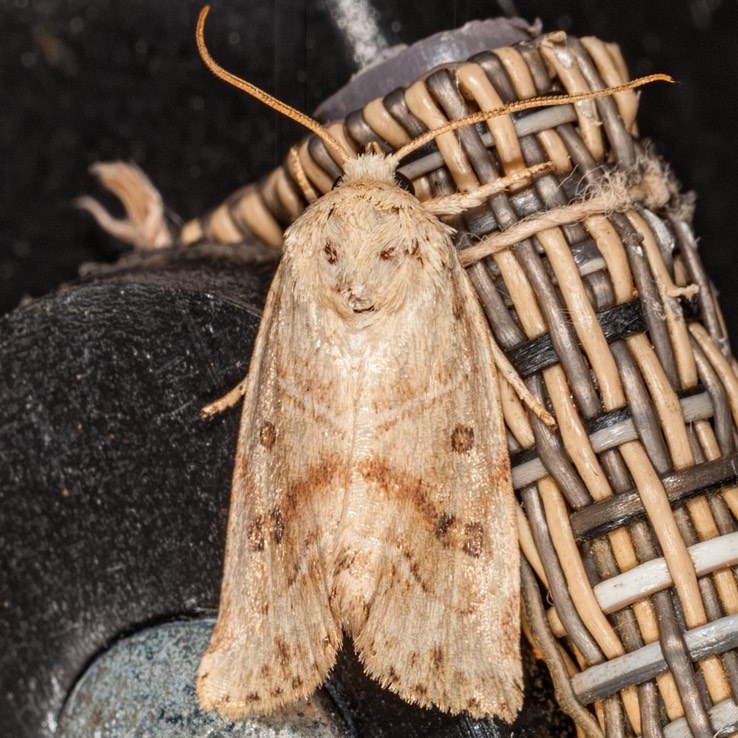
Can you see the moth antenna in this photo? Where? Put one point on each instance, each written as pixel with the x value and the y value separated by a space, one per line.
pixel 515 107
pixel 265 97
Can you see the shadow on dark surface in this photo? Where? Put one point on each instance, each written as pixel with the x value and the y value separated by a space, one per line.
pixel 371 711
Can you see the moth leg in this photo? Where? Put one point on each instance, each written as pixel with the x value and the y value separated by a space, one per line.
pixel 226 402
pixel 508 371
pixel 460 202
pixel 144 226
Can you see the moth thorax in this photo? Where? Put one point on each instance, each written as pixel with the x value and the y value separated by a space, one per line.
pixel 371 167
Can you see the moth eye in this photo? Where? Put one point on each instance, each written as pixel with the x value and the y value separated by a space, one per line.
pixel 387 254
pixel 337 182
pixel 330 253
pixel 403 183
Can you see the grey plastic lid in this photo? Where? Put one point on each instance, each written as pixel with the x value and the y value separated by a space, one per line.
pixel 400 65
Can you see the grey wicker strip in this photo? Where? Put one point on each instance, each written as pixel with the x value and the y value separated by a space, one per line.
pixel 602 680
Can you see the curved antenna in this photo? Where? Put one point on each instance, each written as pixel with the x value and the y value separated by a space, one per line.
pixel 265 97
pixel 515 107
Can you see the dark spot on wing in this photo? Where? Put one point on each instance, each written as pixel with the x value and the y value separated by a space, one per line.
pixel 283 652
pixel 293 574
pixel 473 705
pixel 277 525
pixel 259 529
pixel 457 304
pixel 462 439
pixel 473 539
pixel 267 435
pixel 444 523
pixel 437 657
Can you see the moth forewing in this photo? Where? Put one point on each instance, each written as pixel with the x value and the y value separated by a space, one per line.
pixel 275 639
pixel 440 624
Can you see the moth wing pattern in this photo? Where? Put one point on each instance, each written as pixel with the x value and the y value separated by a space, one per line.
pixel 275 639
pixel 438 618
pixel 372 489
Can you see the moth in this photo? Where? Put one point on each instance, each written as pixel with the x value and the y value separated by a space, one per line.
pixel 372 493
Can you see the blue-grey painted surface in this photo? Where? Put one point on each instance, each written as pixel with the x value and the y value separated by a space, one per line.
pixel 144 687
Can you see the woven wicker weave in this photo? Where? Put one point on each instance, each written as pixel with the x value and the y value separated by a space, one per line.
pixel 628 508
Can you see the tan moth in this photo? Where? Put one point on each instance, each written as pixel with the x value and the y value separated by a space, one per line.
pixel 371 492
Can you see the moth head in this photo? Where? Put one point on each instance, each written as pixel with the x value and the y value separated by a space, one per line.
pixel 367 247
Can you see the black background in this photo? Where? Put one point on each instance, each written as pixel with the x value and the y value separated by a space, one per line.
pixel 88 80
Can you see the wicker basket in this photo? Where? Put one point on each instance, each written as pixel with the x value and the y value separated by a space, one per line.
pixel 595 290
